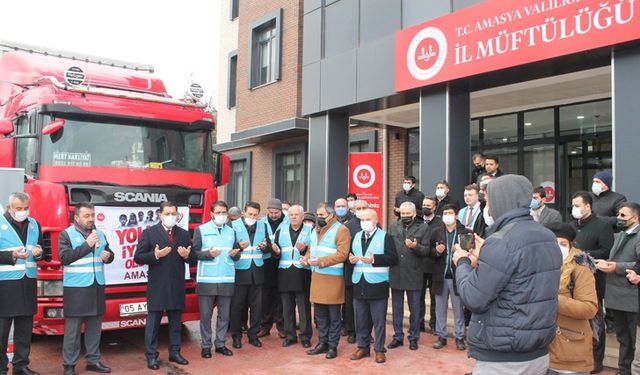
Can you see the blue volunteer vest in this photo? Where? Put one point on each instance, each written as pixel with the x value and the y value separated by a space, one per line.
pixel 326 247
pixel 272 234
pixel 83 271
pixel 373 275
pixel 251 253
pixel 220 269
pixel 289 256
pixel 9 240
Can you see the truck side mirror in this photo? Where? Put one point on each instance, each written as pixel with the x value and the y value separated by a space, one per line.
pixel 53 126
pixel 6 126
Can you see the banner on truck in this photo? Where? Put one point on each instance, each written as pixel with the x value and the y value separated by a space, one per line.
pixel 123 227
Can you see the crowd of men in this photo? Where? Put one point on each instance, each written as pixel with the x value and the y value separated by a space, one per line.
pixel 528 291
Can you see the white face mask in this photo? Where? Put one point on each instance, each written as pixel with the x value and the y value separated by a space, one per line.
pixel 220 220
pixel 169 221
pixel 576 212
pixel 249 221
pixel 596 188
pixel 367 226
pixel 21 216
pixel 565 252
pixel 487 218
pixel 359 214
pixel 351 204
pixel 406 187
pixel 448 219
pixel 440 193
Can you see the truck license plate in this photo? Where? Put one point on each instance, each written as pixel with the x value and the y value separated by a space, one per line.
pixel 135 308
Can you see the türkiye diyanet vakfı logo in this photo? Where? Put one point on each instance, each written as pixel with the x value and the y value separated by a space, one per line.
pixel 364 176
pixel 427 53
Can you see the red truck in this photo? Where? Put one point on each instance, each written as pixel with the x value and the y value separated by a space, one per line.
pixel 89 129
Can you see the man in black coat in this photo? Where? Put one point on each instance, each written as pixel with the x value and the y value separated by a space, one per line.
pixel 409 193
pixel 17 285
pixel 443 197
pixel 83 251
pixel 433 221
pixel 606 202
pixel 166 248
pixel 412 239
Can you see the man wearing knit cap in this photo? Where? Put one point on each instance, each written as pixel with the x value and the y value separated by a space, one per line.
pixel 605 201
pixel 271 301
pixel 509 282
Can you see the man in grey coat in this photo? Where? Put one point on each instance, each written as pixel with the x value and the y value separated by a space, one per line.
pixel 539 210
pixel 412 239
pixel 509 282
pixel 621 297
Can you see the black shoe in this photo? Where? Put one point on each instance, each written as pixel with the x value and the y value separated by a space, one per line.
pixel 306 343
pixel 319 349
pixel 331 353
pixel 152 363
pixel 255 342
pixel 460 344
pixel 179 359
pixel 289 342
pixel 24 371
pixel 413 345
pixel 351 339
pixel 205 353
pixel 395 343
pixel 441 343
pixel 224 351
pixel 237 342
pixel 597 369
pixel 98 367
pixel 69 370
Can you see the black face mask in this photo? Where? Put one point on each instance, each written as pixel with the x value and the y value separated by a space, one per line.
pixel 622 224
pixel 406 220
pixel 427 211
pixel 321 222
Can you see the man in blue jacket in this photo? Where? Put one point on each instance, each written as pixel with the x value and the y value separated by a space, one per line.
pixel 510 285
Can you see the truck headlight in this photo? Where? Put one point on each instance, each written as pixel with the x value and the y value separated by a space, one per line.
pixel 47 288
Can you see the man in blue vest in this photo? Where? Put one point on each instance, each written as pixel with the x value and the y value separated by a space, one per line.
pixel 271 301
pixel 372 253
pixel 330 243
pixel 215 247
pixel 83 251
pixel 20 248
pixel 291 243
pixel 253 238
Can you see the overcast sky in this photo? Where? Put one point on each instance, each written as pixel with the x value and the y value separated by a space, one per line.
pixel 179 38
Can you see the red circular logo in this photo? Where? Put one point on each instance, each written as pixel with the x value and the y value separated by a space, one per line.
pixel 551 194
pixel 100 217
pixel 426 54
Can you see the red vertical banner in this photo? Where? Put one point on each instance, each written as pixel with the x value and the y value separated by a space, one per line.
pixel 365 179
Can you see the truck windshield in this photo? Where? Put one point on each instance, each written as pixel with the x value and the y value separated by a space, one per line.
pixel 98 144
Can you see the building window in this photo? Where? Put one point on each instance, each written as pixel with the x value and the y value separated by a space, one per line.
pixel 363 142
pixel 234 9
pixel 290 174
pixel 238 189
pixel 264 50
pixel 233 75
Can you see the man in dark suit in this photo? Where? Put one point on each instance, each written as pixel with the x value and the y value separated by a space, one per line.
pixel 165 247
pixel 471 214
pixel 443 197
pixel 433 221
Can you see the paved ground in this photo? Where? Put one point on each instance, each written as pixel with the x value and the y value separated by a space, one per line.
pixel 123 351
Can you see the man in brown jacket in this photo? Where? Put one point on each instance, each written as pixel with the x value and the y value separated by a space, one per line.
pixel 330 243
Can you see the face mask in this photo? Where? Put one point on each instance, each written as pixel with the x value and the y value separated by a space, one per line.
pixel 622 224
pixel 406 187
pixel 448 219
pixel 534 204
pixel 406 220
pixel 169 221
pixel 341 211
pixel 440 193
pixel 249 221
pixel 576 212
pixel 359 214
pixel 565 252
pixel 21 216
pixel 367 226
pixel 487 218
pixel 596 188
pixel 427 211
pixel 220 220
pixel 351 204
pixel 321 221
